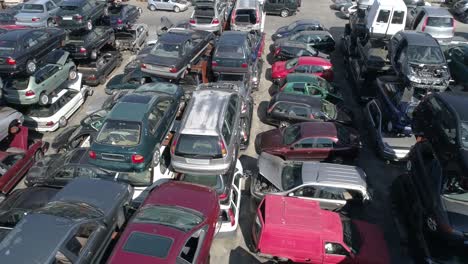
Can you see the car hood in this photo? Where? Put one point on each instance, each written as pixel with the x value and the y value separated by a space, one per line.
pixel 457 213
pixel 373 246
pixel 271 139
pixel 270 167
pixel 37 173
pixel 161 61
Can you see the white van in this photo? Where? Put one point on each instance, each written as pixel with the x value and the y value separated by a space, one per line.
pixel 386 17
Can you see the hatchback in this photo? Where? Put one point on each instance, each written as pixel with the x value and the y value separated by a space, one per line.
pixel 313 65
pixel 436 21
pixel 247 15
pixel 38 13
pixel 209 15
pixel 283 8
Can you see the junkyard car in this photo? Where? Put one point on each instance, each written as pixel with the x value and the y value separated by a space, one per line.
pixel 310 141
pixel 173 5
pixel 169 217
pixel 460 10
pixel 436 21
pixel 123 16
pixel 312 180
pixel 320 236
pixel 134 129
pixel 88 217
pixel 312 65
pixel 284 109
pixel 209 15
pixel 297 26
pixel 39 87
pixel 132 38
pixel 282 8
pixel 320 40
pixel 457 59
pixel 9 118
pixel 22 50
pixel 80 14
pixel 126 81
pixel 289 50
pixel 174 51
pixel 418 58
pixel 88 44
pixel 96 72
pixel 38 13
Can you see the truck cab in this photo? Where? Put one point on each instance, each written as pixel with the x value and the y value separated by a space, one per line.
pixel 386 17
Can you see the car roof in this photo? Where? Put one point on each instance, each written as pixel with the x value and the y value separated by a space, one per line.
pixel 335 174
pixel 204 112
pixel 14 35
pixel 28 198
pixel 175 37
pixel 307 21
pixel 314 61
pixel 35 239
pixel 293 44
pixel 317 129
pixel 434 11
pixel 133 107
pixel 42 2
pixel 311 101
pixel 419 38
pixel 457 101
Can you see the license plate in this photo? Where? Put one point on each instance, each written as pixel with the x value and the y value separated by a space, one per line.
pixel 67 18
pixel 198 161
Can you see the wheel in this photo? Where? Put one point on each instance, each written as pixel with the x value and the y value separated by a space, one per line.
pixel 63 122
pixel 43 98
pixel 176 9
pixel 283 124
pixel 389 126
pixel 31 66
pixel 102 80
pixel 152 8
pixel 284 13
pixel 38 155
pixel 89 25
pixel 94 54
pixel 50 22
pixel 72 74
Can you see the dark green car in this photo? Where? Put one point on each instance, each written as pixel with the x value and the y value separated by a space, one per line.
pixel 79 14
pixel 135 128
pixel 457 59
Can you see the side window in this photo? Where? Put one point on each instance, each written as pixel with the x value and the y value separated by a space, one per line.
pixel 152 122
pixel 53 70
pixel 331 193
pixel 306 191
pixel 299 111
pixel 162 107
pixel 316 69
pixel 192 246
pixel 65 173
pixel 226 132
pixel 398 17
pixel 280 108
pixel 85 172
pixel 302 69
pixel 323 143
pixel 77 242
pixel 335 249
pixel 305 143
pixel 383 16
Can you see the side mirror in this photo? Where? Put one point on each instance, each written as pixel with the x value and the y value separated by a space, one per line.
pixel 290 194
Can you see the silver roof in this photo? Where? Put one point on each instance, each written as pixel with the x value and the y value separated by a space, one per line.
pixel 436 11
pixel 246 4
pixel 321 172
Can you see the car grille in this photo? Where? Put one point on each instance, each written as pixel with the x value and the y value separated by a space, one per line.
pixel 112 157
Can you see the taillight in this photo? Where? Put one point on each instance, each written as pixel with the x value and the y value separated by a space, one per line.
pixel 214 63
pixel 35 19
pixel 231 217
pixel 78 18
pixel 258 17
pixel 222 196
pixel 119 21
pixel 29 93
pixel 92 154
pixel 192 21
pixel 215 21
pixel 233 18
pixel 50 123
pixel 82 50
pixel 223 148
pixel 173 146
pixel 136 158
pixel 173 69
pixel 11 61
pixel 327 67
pixel 244 65
pixel 143 66
pixel 424 24
pixel 277 51
pixel 92 77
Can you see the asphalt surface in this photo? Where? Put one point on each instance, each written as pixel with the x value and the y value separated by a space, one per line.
pixel 235 249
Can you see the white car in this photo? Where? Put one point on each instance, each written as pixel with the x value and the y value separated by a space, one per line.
pixel 63 105
pixel 9 118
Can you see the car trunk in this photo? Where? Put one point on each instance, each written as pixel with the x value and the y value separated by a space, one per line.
pixel 73 46
pixel 17 84
pixel 204 14
pixel 89 71
pixel 125 39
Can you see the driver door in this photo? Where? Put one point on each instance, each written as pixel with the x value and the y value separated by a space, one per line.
pixel 302 149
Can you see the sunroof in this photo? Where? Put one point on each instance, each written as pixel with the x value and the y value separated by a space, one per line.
pixel 148 244
pixel 136 98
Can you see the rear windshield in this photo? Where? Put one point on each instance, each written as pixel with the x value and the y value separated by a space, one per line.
pixel 19 83
pixel 148 244
pixel 119 133
pixel 7 47
pixel 197 146
pixel 166 50
pixel 115 10
pixel 246 16
pixel 32 8
pixel 230 52
pixel 213 181
pixel 440 22
pixel 204 11
pixel 291 176
pixel 69 7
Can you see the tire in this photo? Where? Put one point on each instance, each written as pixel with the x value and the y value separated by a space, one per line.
pixel 31 66
pixel 152 8
pixel 94 54
pixel 72 74
pixel 44 98
pixel 50 22
pixel 284 13
pixel 63 122
pixel 176 9
pixel 89 25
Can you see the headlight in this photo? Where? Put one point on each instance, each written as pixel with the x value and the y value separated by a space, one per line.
pixel 279 35
pixel 414 79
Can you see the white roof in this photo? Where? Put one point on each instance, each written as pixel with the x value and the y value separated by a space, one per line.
pixel 399 4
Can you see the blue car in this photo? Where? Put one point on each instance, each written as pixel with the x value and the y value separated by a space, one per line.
pixel 297 26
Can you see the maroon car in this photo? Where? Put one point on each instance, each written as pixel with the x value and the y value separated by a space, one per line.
pixel 310 141
pixel 175 224
pixel 16 157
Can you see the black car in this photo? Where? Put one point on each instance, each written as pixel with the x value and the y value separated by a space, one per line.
pixel 418 59
pixel 76 226
pixel 136 62
pixel 80 135
pixel 80 14
pixel 23 50
pixel 319 39
pixel 96 72
pixel 121 16
pixel 59 169
pixel 174 51
pixel 289 50
pixel 297 26
pixel 460 10
pixel 88 44
pixel 283 8
pixel 285 109
pixel 7 18
pixel 19 203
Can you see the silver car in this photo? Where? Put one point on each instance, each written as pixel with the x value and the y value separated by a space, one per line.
pixel 436 21
pixel 38 13
pixel 208 138
pixel 9 118
pixel 209 15
pixel 174 5
pixel 333 185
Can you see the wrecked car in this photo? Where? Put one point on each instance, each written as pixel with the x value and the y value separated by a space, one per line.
pixel 132 38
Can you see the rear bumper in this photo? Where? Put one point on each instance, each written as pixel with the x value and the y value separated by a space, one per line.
pixel 118 165
pixel 22 100
pixel 32 24
pixel 184 167
pixel 210 28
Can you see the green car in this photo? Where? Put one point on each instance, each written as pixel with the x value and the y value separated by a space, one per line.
pixel 39 87
pixel 308 84
pixel 457 59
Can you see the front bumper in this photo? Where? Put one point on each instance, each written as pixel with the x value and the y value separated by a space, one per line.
pixel 210 28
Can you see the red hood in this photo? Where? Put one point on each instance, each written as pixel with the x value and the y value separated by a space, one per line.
pixel 373 249
pixel 278 70
pixel 271 139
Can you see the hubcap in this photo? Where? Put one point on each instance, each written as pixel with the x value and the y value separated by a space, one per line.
pixel 32 67
pixel 431 224
pixel 284 13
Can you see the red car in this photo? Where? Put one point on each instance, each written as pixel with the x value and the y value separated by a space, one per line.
pixel 298 230
pixel 313 65
pixel 310 141
pixel 17 158
pixel 175 224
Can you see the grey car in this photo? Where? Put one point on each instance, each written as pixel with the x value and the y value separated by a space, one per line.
pixel 174 5
pixel 209 15
pixel 38 13
pixel 436 21
pixel 9 118
pixel 131 39
pixel 208 138
pixel 333 185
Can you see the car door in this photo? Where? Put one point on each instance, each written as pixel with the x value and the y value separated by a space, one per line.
pixel 53 81
pixel 381 21
pixel 271 6
pixel 331 198
pixel 301 149
pixel 159 4
pixel 166 5
pixel 322 148
pixel 302 69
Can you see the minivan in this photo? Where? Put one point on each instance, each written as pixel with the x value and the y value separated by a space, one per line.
pixel 208 138
pixel 247 15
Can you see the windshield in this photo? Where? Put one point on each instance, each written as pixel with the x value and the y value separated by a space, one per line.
pixel 7 47
pixel 229 52
pixel 173 216
pixel 350 235
pixel 166 50
pixel 291 176
pixel 198 146
pixel 291 134
pixel 292 26
pixel 425 55
pixel 213 181
pixel 71 210
pixel 119 133
pixel 291 63
pixel 32 8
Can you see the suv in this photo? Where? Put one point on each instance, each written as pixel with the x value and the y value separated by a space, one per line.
pixel 283 8
pixel 436 21
pixel 209 15
pixel 247 15
pixel 208 138
pixel 418 58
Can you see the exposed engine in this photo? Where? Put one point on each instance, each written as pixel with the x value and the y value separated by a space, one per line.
pixel 262 185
